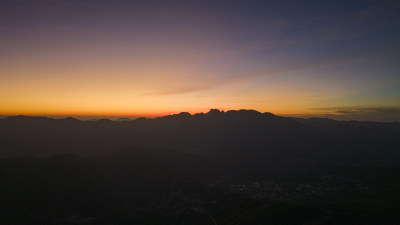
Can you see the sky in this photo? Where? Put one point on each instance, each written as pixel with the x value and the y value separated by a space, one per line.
pixel 336 59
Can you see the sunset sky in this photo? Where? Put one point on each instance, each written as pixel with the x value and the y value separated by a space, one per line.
pixel 339 59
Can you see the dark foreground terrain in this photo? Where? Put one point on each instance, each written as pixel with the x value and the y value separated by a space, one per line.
pixel 236 167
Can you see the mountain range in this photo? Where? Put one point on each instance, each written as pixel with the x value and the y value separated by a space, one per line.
pixel 234 167
pixel 243 135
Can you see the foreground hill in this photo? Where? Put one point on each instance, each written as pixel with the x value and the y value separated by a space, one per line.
pixel 161 186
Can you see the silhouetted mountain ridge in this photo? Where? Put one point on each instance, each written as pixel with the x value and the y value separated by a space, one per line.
pixel 235 135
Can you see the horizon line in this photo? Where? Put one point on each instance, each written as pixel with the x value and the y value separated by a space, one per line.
pixel 154 116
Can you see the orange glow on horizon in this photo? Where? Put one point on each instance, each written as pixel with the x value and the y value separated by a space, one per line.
pixel 139 114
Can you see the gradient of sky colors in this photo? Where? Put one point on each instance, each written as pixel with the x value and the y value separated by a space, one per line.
pixel 147 58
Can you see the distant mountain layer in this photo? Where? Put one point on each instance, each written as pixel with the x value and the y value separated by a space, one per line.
pixel 244 136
